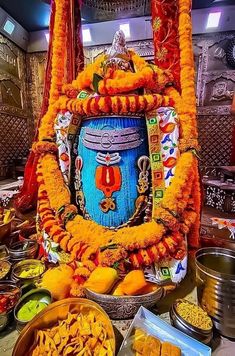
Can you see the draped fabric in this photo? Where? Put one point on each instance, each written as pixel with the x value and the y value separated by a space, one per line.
pixel 27 198
pixel 165 24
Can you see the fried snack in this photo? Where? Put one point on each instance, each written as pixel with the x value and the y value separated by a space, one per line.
pixel 170 350
pixel 78 335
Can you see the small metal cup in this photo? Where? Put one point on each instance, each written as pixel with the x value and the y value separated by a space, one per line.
pixel 177 321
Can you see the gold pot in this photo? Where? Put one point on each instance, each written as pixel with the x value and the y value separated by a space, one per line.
pixel 49 316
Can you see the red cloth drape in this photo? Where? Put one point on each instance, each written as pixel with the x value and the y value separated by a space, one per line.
pixel 166 37
pixel 27 198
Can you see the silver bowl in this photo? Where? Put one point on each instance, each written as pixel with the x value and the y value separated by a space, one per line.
pixel 27 265
pixel 4 273
pixel 124 307
pixel 23 250
pixel 181 324
pixel 8 288
pixel 40 294
pixel 4 253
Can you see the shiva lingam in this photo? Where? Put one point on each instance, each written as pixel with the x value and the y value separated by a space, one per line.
pixel 112 164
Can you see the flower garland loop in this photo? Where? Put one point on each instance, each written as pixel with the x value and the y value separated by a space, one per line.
pixel 178 212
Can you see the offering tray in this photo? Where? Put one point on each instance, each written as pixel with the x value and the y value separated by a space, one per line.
pixel 158 328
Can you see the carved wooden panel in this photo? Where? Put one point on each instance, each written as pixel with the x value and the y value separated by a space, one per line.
pixel 215 80
pixel 215 87
pixel 103 10
pixel 219 87
pixel 215 138
pixel 8 59
pixel 15 118
pixel 14 138
pixel 13 83
pixel 36 63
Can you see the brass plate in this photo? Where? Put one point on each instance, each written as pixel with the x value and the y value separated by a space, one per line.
pixel 49 316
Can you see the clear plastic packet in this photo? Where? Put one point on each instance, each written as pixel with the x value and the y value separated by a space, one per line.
pixel 153 325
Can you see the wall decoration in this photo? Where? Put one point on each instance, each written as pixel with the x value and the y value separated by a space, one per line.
pixel 215 138
pixel 15 117
pixel 230 53
pixel 220 92
pixel 8 58
pixel 36 63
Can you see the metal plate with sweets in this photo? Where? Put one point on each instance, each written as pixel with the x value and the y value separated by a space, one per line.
pixel 153 325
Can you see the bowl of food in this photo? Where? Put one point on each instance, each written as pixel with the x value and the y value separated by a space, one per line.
pixel 6 217
pixel 28 233
pixel 9 296
pixel 5 268
pixel 68 327
pixel 192 320
pixel 32 303
pixel 28 270
pixel 22 250
pixel 121 298
pixel 4 253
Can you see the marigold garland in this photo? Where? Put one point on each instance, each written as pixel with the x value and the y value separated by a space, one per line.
pixel 100 105
pixel 179 210
pixel 57 65
pixel 117 82
pixel 57 191
pixel 87 236
pixel 46 214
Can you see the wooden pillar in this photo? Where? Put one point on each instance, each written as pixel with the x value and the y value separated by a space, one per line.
pixel 232 161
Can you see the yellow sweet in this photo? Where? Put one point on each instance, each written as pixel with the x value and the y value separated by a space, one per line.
pixel 133 283
pixel 58 281
pixel 118 290
pixel 101 280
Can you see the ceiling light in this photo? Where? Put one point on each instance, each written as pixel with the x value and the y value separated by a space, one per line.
pixel 213 19
pixel 9 27
pixel 86 35
pixel 125 27
pixel 47 36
